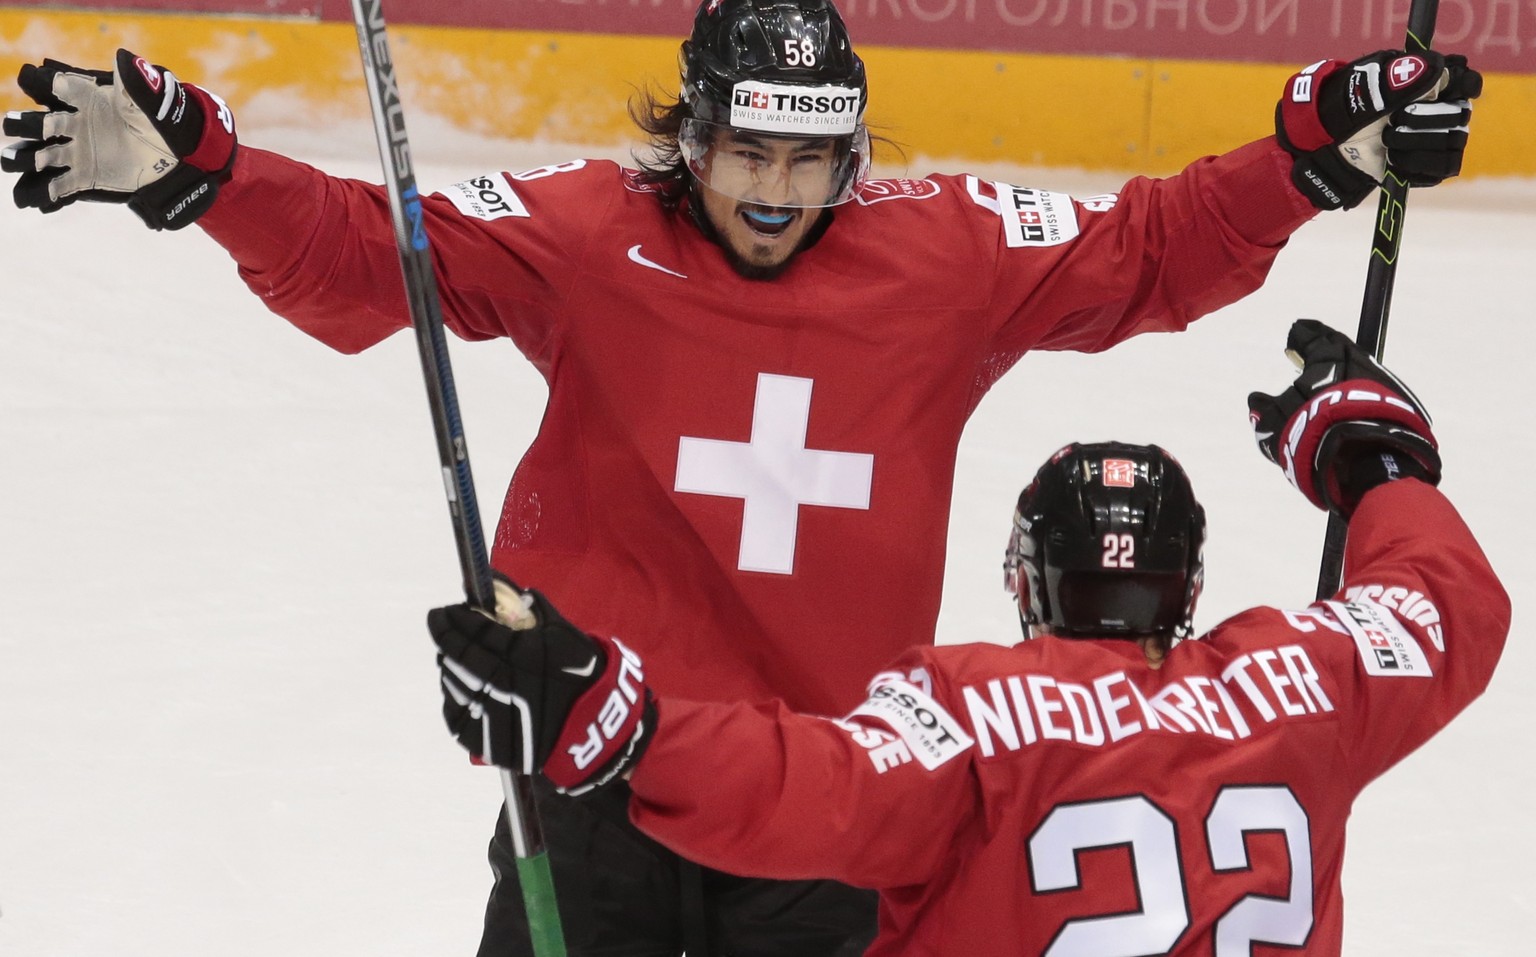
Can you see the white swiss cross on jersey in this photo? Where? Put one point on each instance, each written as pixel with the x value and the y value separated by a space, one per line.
pixel 774 473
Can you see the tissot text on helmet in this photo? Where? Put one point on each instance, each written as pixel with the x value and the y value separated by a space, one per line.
pixel 777 108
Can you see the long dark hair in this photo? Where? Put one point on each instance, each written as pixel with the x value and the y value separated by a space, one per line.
pixel 662 167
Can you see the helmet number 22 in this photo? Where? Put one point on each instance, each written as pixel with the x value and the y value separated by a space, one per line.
pixel 1119 551
pixel 1151 836
pixel 799 52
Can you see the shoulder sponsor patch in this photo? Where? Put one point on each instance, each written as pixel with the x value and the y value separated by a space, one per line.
pixel 880 190
pixel 1410 605
pixel 928 729
pixel 1386 647
pixel 486 197
pixel 1035 217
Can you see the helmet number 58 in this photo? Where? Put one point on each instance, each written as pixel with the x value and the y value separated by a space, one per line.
pixel 799 52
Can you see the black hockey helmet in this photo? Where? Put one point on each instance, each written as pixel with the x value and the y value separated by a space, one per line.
pixel 775 68
pixel 777 42
pixel 1107 542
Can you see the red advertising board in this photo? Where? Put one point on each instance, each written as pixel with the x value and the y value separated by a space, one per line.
pixel 1499 35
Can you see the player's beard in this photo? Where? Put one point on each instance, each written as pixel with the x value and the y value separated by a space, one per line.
pixel 748 269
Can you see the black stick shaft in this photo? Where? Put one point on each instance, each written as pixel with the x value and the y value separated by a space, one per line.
pixel 1380 277
pixel 453 452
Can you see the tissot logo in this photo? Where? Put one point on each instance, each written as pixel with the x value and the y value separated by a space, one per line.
pixel 776 108
pixel 486 197
pixel 795 102
pixel 754 100
pixel 1031 217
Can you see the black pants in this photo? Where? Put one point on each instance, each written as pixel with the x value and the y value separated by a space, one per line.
pixel 620 895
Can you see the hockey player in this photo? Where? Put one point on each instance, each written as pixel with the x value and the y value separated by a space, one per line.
pixel 759 363
pixel 1104 787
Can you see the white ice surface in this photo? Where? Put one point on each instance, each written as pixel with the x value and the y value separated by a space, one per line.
pixel 218 712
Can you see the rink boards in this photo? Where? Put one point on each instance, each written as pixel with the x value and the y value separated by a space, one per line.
pixel 1148 114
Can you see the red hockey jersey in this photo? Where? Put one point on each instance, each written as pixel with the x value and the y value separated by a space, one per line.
pixel 1062 797
pixel 769 461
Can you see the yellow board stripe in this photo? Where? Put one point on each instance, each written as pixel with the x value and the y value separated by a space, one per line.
pixel 1149 116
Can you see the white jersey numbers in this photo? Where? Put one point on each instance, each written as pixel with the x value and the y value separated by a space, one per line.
pixel 1151 838
pixel 1119 551
pixel 539 172
pixel 1238 812
pixel 1102 203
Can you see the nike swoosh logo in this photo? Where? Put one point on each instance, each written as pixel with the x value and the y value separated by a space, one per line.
pixel 591 665
pixel 635 257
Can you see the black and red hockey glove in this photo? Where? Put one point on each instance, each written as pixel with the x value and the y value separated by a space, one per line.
pixel 1345 426
pixel 1345 122
pixel 531 692
pixel 135 135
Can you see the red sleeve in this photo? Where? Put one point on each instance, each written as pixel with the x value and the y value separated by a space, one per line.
pixel 762 791
pixel 320 252
pixel 1412 560
pixel 1159 256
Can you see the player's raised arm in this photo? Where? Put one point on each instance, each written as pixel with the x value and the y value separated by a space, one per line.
pixel 133 135
pixel 318 249
pixel 750 788
pixel 1417 627
pixel 1161 253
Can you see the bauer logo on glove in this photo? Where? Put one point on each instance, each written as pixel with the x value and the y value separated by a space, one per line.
pixel 136 135
pixel 527 690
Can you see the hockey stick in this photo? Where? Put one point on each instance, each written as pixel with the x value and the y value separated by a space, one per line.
pixel 453 453
pixel 1379 278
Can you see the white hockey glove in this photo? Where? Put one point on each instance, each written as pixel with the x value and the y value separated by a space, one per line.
pixel 136 135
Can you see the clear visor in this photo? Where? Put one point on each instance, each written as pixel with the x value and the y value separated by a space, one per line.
pixel 793 172
pixel 1011 558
